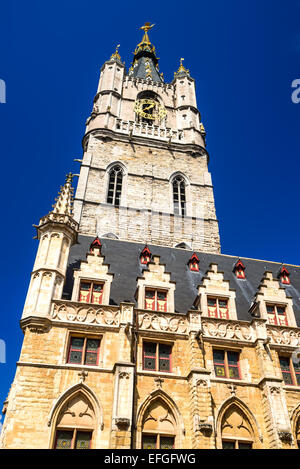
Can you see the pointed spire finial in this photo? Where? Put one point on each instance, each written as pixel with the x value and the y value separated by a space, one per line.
pixel 116 54
pixel 64 202
pixel 181 69
pixel 146 28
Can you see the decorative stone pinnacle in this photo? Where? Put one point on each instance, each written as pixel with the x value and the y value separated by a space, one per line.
pixel 64 202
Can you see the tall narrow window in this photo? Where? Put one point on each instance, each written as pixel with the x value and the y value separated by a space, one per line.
pixel 179 196
pixel 115 186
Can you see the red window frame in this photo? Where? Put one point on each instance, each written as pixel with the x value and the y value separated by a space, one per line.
pixel 225 364
pixel 284 276
pixel 217 313
pixel 157 357
pixel 275 317
pixel 240 273
pixel 92 291
pixel 155 299
pixel 290 370
pixel 84 350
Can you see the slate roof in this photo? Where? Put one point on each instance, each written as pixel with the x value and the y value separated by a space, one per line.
pixel 124 263
pixel 139 70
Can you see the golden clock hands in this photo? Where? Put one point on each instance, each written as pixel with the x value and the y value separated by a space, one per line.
pixel 149 107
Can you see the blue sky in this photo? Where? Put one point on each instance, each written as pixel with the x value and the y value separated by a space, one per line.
pixel 243 55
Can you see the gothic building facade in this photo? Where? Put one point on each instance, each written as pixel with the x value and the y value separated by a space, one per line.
pixel 138 332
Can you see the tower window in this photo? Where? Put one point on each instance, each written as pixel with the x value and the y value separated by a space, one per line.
pixel 84 351
pixel 179 199
pixel 91 292
pixel 226 364
pixel 157 357
pixel 217 308
pixel 277 315
pixel 115 186
pixel 290 371
pixel 156 300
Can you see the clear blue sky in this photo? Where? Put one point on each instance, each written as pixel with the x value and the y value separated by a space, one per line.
pixel 243 55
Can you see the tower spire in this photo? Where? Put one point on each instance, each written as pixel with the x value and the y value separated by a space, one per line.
pixel 64 202
pixel 145 61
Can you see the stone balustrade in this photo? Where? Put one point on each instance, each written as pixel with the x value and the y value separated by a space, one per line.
pixel 147 130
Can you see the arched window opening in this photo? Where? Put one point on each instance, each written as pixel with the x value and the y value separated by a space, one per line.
pixel 159 427
pixel 236 430
pixel 75 424
pixel 115 186
pixel 179 196
pixel 298 433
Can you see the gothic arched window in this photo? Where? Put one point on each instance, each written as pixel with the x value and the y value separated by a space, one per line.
pixel 159 427
pixel 237 432
pixel 179 199
pixel 75 424
pixel 115 185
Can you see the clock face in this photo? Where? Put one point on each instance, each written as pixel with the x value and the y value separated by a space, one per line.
pixel 150 109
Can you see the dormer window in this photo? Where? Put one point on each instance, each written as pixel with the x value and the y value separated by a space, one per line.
pixel 239 270
pixel 284 276
pixel 91 292
pixel 217 308
pixel 194 263
pixel 155 300
pixel 145 256
pixel 277 315
pixel 95 247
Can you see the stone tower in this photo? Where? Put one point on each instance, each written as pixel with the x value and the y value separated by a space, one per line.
pixel 138 333
pixel 151 133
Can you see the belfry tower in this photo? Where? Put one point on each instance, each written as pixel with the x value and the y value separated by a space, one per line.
pixel 144 175
pixel 138 332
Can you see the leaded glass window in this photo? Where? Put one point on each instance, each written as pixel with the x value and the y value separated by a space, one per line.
pixel 226 364
pixel 157 442
pixel 157 356
pixel 290 371
pixel 115 186
pixel 179 199
pixel 73 439
pixel 63 439
pixel 84 351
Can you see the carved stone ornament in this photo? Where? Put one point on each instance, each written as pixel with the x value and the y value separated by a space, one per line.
pixel 85 313
pixel 227 330
pixel 286 437
pixel 206 428
pixel 122 422
pixel 163 322
pixel 284 336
